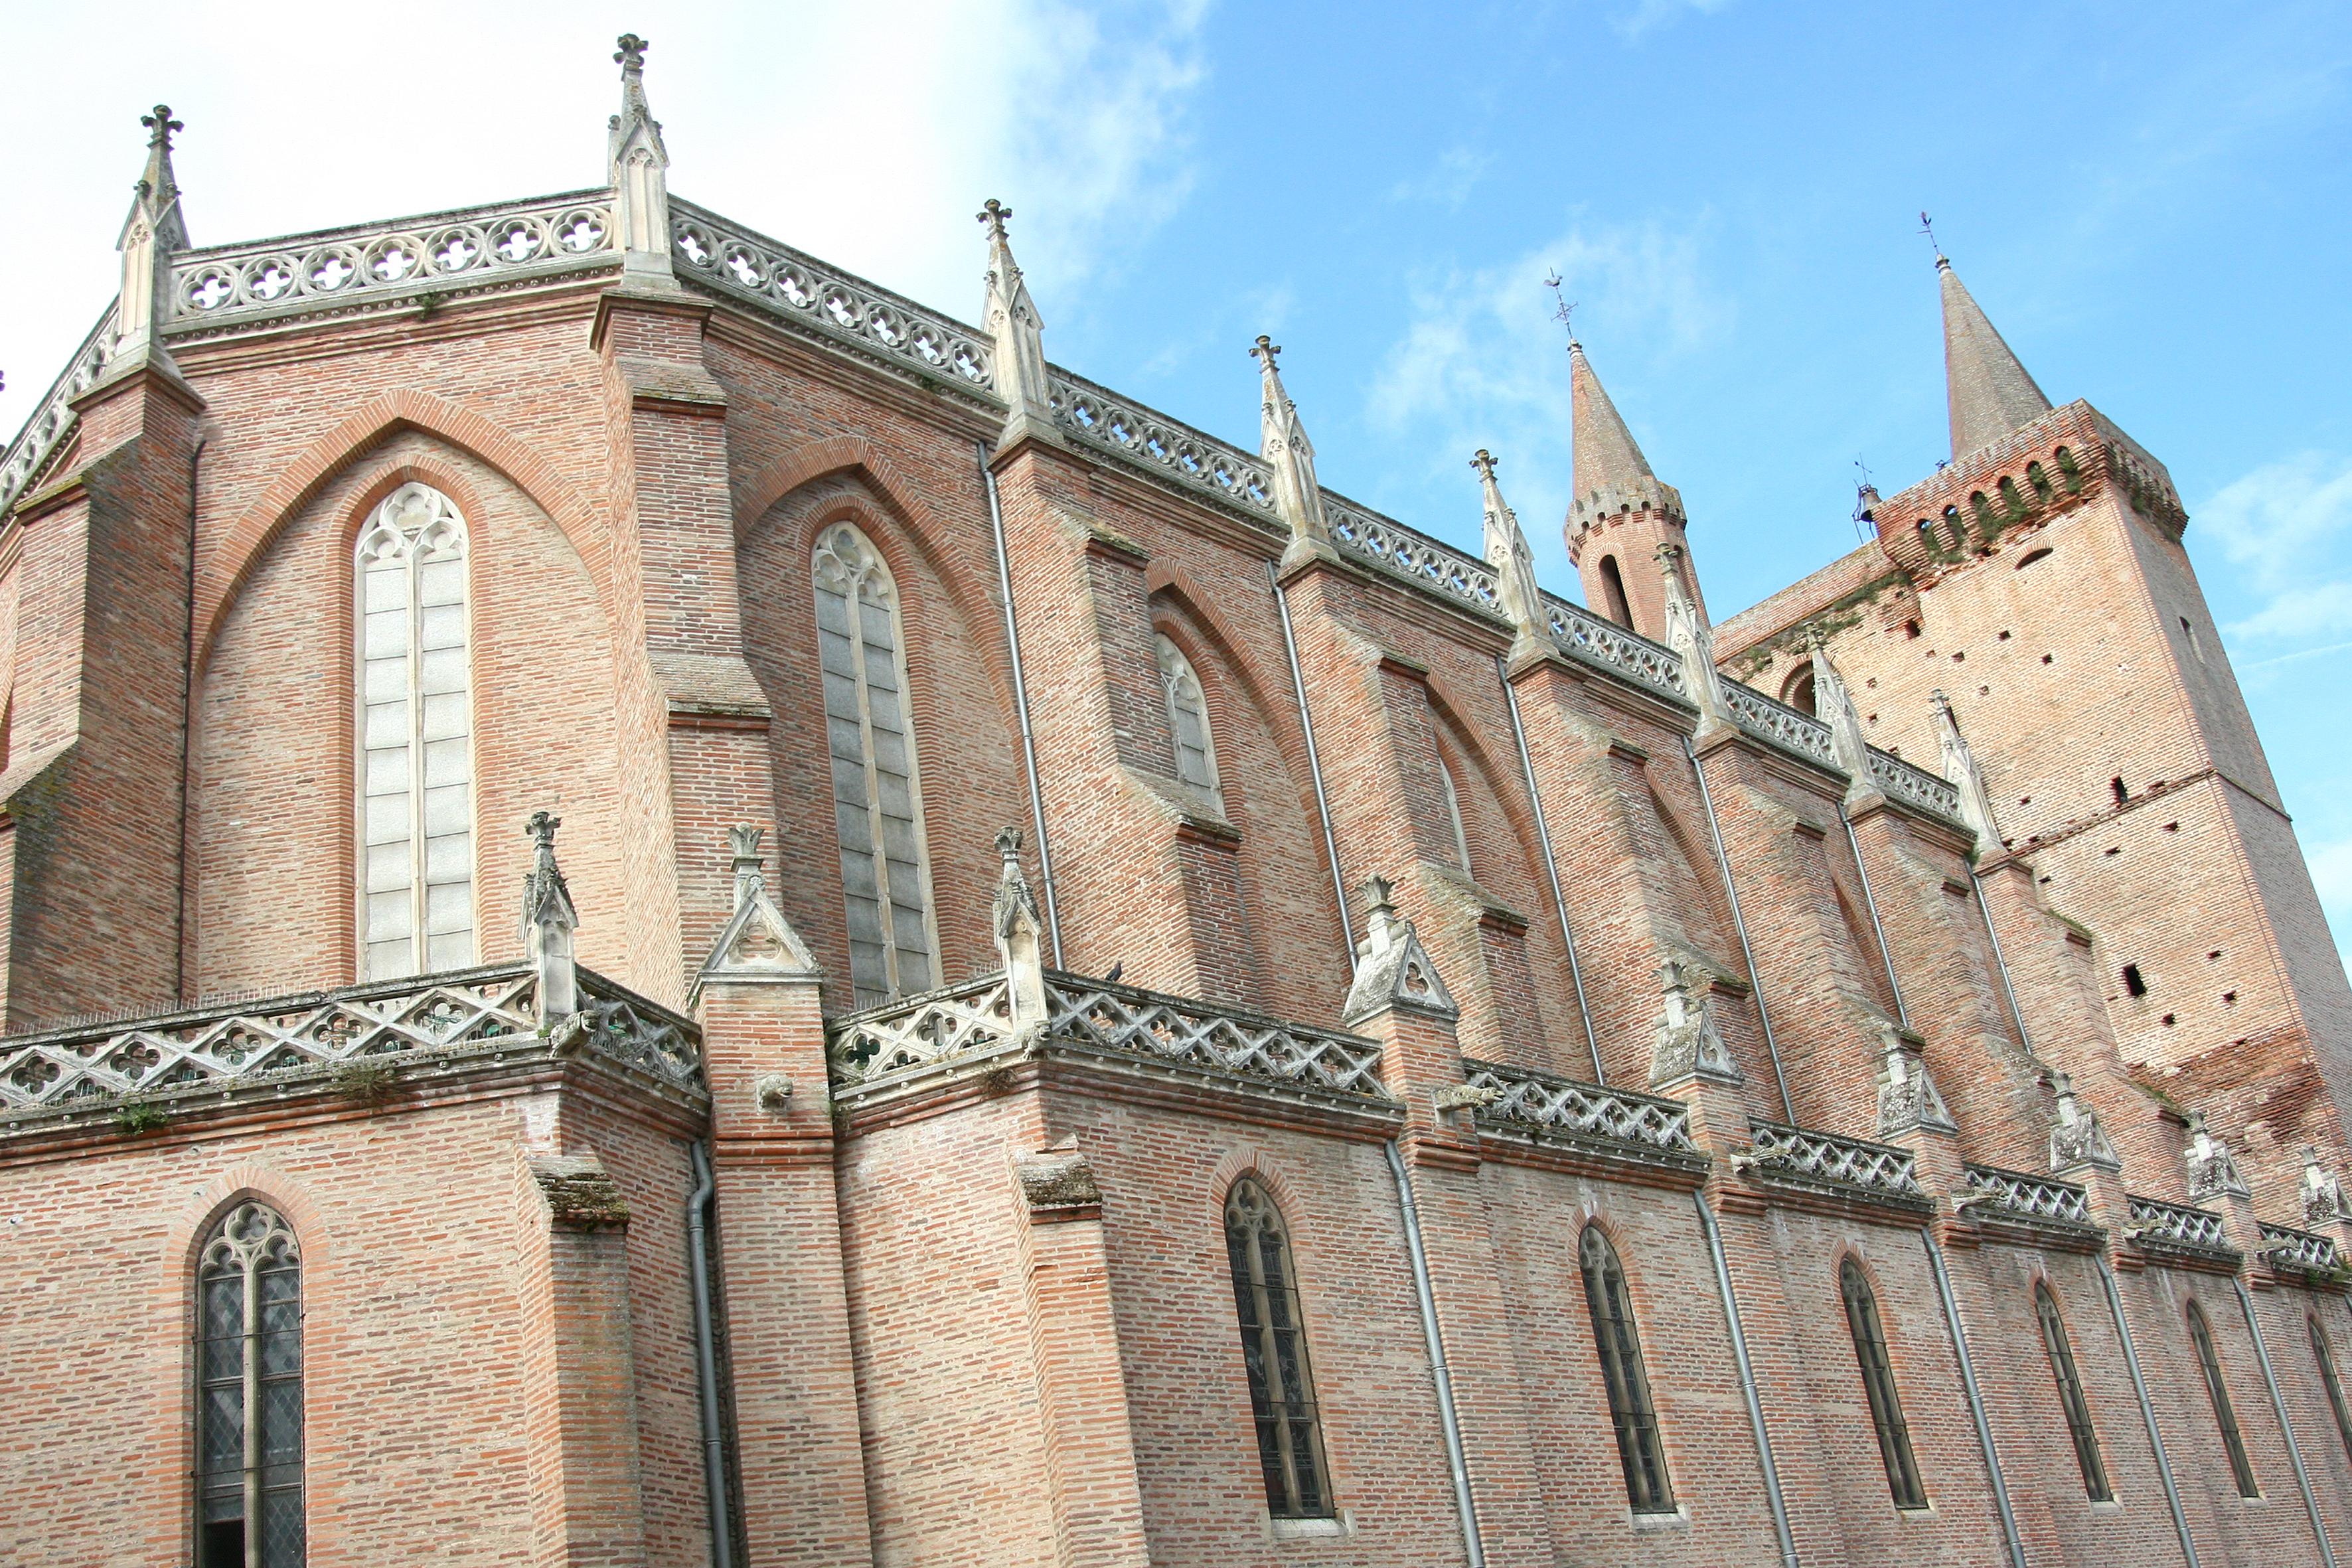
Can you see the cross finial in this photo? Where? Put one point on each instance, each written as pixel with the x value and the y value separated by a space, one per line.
pixel 161 124
pixel 1484 461
pixel 1265 351
pixel 541 829
pixel 632 55
pixel 994 214
pixel 1008 844
pixel 1563 309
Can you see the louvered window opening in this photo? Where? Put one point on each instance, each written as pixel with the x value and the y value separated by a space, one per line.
pixel 249 1394
pixel 1878 1387
pixel 1638 1447
pixel 1188 719
pixel 876 799
pixel 2069 1396
pixel 416 737
pixel 2232 1442
pixel 1273 1354
pixel 2326 1356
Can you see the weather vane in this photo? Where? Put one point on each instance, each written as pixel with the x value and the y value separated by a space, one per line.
pixel 1927 227
pixel 1563 308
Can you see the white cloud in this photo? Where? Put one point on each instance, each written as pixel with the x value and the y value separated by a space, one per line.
pixel 2287 526
pixel 1648 13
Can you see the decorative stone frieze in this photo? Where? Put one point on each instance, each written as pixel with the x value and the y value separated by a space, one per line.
pixel 1802 1157
pixel 2016 1197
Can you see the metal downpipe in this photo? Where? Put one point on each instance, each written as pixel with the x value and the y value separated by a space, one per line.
pixel 2286 1427
pixel 1747 1381
pixel 1739 927
pixel 1976 1397
pixel 1021 701
pixel 2000 963
pixel 706 1359
pixel 1438 1373
pixel 1314 766
pixel 1870 902
pixel 1551 870
pixel 2147 1413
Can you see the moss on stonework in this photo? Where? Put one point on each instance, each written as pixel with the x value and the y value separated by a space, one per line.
pixel 137 1116
pixel 1840 613
pixel 365 1081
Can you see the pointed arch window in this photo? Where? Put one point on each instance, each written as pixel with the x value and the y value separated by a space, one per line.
pixel 2070 1394
pixel 1273 1354
pixel 1188 719
pixel 249 1392
pixel 416 737
pixel 2234 1443
pixel 1454 817
pixel 1619 1342
pixel 1878 1387
pixel 2325 1355
pixel 876 797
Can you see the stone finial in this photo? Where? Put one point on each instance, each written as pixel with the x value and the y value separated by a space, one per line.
pixel 547 922
pixel 151 232
pixel 2213 1170
pixel 1834 705
pixel 1508 552
pixel 2075 1136
pixel 749 865
pixel 1907 1096
pixel 2323 1195
pixel 1961 767
pixel 1990 392
pixel 1020 932
pixel 757 945
pixel 1688 635
pixel 638 166
pixel 1688 1043
pixel 1282 442
pixel 1011 318
pixel 1393 969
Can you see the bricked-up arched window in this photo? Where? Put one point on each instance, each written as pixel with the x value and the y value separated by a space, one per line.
pixel 2325 1355
pixel 876 799
pixel 416 737
pixel 249 1392
pixel 2202 1336
pixel 1188 718
pixel 1274 1353
pixel 2070 1394
pixel 1878 1387
pixel 1639 1448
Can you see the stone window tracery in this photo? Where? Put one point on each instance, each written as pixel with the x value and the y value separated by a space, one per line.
pixel 1274 1353
pixel 1618 1339
pixel 1878 1387
pixel 1188 719
pixel 877 794
pixel 2070 1396
pixel 249 1392
pixel 417 742
pixel 2234 1443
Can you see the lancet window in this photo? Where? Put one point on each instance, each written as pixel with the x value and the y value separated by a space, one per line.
pixel 249 1392
pixel 1273 1354
pixel 1878 1387
pixel 416 737
pixel 1188 719
pixel 2325 1355
pixel 876 797
pixel 2201 1335
pixel 2070 1396
pixel 1619 1342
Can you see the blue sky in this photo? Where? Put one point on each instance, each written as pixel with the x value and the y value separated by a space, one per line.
pixel 2149 199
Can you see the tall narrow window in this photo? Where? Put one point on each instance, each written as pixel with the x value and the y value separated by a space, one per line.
pixel 1274 1352
pixel 249 1394
pixel 876 802
pixel 2202 1336
pixel 1639 1449
pixel 1612 588
pixel 1188 719
pixel 2326 1356
pixel 1454 817
pixel 416 737
pixel 2070 1396
pixel 1878 1386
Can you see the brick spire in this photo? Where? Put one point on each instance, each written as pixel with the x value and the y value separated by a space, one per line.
pixel 638 166
pixel 1622 512
pixel 1611 471
pixel 1991 394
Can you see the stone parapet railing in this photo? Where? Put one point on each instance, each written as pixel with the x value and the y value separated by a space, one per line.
pixel 1899 779
pixel 795 288
pixel 208 1055
pixel 1159 444
pixel 1428 563
pixel 2309 1251
pixel 966 1024
pixel 53 416
pixel 1779 723
pixel 1992 1191
pixel 1594 641
pixel 1516 1100
pixel 2155 1221
pixel 1801 1156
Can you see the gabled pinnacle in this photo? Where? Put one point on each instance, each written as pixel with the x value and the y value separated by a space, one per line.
pixel 1514 561
pixel 1908 1099
pixel 151 233
pixel 1282 442
pixel 1011 318
pixel 757 945
pixel 1688 634
pixel 637 164
pixel 1960 767
pixel 1989 391
pixel 159 187
pixel 1611 474
pixel 2075 1137
pixel 1392 968
pixel 1834 705
pixel 2213 1169
pixel 1020 932
pixel 547 922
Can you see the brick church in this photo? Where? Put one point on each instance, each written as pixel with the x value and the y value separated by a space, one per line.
pixel 657 907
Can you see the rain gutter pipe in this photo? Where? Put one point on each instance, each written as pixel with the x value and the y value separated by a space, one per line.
pixel 1747 1381
pixel 1438 1373
pixel 1021 700
pixel 1551 870
pixel 706 1359
pixel 1739 926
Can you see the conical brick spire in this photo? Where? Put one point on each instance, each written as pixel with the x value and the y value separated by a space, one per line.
pixel 1610 472
pixel 1622 513
pixel 1991 394
pixel 1282 442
